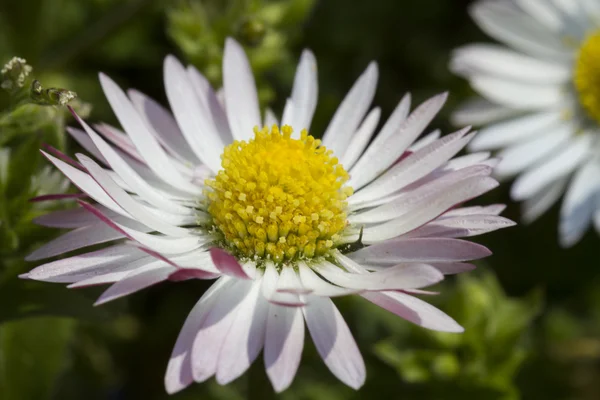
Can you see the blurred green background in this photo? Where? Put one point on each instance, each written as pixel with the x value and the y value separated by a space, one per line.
pixel 531 311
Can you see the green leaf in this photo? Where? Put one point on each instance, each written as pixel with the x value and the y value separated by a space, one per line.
pixel 23 165
pixel 33 353
pixel 22 298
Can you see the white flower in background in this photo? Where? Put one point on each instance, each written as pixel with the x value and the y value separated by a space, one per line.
pixel 271 214
pixel 541 104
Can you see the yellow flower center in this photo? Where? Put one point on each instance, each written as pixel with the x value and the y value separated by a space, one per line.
pixel 279 198
pixel 587 75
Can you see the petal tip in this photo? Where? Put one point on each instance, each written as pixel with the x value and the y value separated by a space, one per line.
pixel 227 263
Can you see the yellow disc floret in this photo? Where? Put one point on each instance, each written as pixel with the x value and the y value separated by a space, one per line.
pixel 587 75
pixel 279 198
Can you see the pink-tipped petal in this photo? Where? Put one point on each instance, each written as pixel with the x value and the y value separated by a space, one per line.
pixel 82 265
pixel 185 274
pixel 139 279
pixel 420 250
pixel 75 239
pixel 414 310
pixel 62 156
pixel 227 264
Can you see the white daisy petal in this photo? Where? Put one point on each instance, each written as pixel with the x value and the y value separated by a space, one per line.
pixel 289 282
pixel 390 128
pixel 429 209
pixel 471 160
pixel 288 115
pixel 409 276
pixel 352 110
pixel 272 281
pixel 86 265
pixel 512 131
pixel 86 184
pixel 395 145
pixel 334 341
pixel 146 143
pixel 110 277
pixel 157 243
pixel 214 329
pixel 143 277
pixel 245 341
pixel 134 208
pixel 71 218
pixel 86 142
pixel 270 118
pixel 480 111
pixel 521 156
pixel 580 203
pixel 505 22
pixel 284 341
pixel 185 105
pixel 425 140
pixel 304 93
pixel 320 286
pixel 420 250
pixel 414 310
pixel 213 112
pixel 520 95
pixel 76 239
pixel 453 268
pixel 540 202
pixel 498 61
pixel 406 201
pixel 179 370
pixel 134 181
pixel 414 167
pixel 543 11
pixel 241 99
pixel 361 138
pixel 163 125
pixel 494 209
pixel 592 7
pixel 563 163
pixel 461 226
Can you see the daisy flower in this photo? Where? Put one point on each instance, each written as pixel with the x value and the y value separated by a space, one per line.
pixel 281 220
pixel 541 104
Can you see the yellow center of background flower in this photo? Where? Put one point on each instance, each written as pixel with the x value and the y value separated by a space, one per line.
pixel 279 198
pixel 587 75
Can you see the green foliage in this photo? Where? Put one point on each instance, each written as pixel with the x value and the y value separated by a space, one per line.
pixel 35 116
pixel 33 353
pixel 266 28
pixel 485 358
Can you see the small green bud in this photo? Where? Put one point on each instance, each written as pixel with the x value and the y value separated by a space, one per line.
pixel 251 31
pixel 50 97
pixel 14 73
